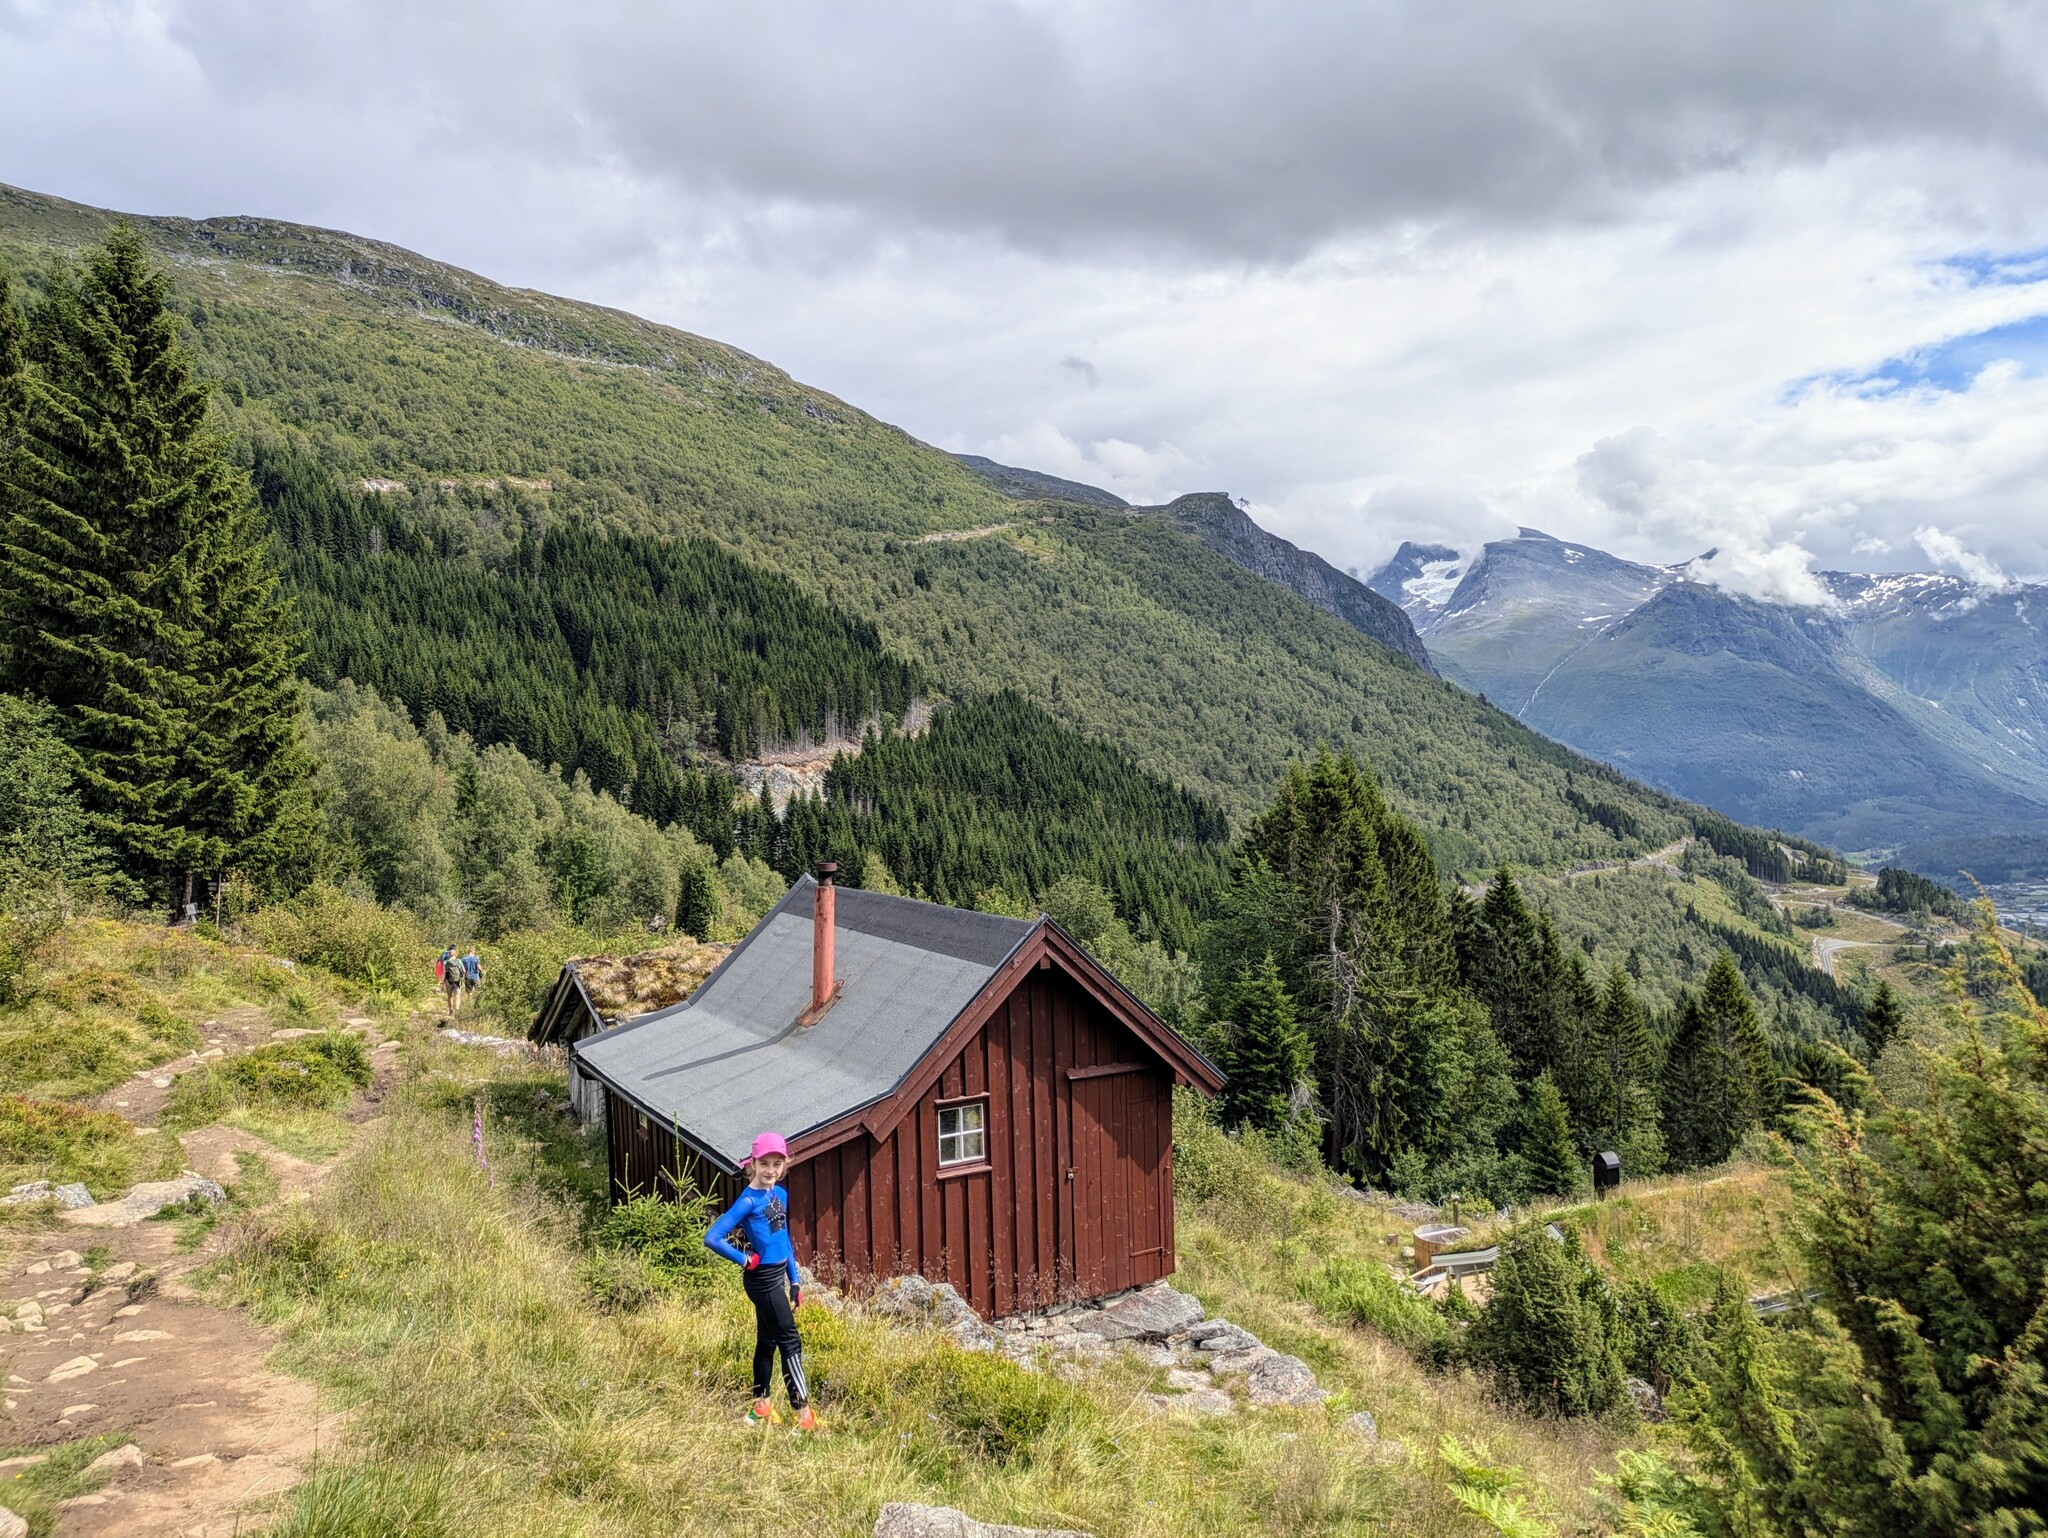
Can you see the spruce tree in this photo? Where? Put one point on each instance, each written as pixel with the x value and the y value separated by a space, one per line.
pixel 1622 1077
pixel 1882 1017
pixel 136 593
pixel 1717 1076
pixel 1547 1143
pixel 11 329
pixel 1267 1055
pixel 1336 886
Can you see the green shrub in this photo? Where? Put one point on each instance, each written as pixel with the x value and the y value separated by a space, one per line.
pixel 1662 1340
pixel 1358 1292
pixel 618 1281
pixel 521 966
pixel 309 1073
pixel 46 1140
pixel 666 1237
pixel 1551 1333
pixel 1207 1161
pixel 350 936
pixel 997 1411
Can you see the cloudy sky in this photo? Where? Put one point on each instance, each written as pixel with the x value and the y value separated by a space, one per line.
pixel 1768 275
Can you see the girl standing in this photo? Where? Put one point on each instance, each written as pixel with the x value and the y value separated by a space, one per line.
pixel 769 1274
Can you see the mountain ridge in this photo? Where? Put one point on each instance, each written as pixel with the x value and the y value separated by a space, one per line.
pixel 1218 522
pixel 379 366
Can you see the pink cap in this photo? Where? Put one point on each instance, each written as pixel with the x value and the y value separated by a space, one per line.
pixel 767 1143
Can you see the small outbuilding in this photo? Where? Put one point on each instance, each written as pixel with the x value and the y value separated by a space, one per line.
pixel 966 1096
pixel 594 992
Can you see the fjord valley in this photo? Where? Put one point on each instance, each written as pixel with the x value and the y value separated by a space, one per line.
pixel 357 608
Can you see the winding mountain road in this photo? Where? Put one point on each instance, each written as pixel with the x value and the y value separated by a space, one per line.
pixel 1825 951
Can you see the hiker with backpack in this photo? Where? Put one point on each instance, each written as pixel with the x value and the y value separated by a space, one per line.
pixel 448 972
pixel 472 971
pixel 768 1272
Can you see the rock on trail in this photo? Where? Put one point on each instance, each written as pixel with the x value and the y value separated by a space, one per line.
pixel 900 1520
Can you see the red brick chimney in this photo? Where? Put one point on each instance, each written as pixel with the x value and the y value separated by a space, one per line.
pixel 824 984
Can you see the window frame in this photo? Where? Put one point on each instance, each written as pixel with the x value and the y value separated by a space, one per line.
pixel 962 1165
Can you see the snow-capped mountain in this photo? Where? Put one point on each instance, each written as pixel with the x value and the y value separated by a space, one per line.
pixel 1913 707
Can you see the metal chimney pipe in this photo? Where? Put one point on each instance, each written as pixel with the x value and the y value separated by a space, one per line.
pixel 824 985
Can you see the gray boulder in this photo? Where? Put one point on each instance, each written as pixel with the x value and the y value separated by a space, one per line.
pixel 899 1519
pixel 1362 1424
pixel 918 1300
pixel 1283 1380
pixel 72 1195
pixel 1150 1313
pixel 146 1201
pixel 1220 1335
pixel 1236 1364
pixel 903 1297
pixel 12 1526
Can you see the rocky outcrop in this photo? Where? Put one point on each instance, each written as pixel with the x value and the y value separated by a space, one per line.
pixel 902 1520
pixel 1156 1312
pixel 914 1299
pixel 72 1195
pixel 1211 1365
pixel 146 1201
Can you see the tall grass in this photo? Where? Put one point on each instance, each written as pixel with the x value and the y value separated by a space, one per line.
pixel 46 1140
pixel 488 1392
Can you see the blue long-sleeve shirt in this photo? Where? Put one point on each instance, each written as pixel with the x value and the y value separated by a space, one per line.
pixel 763 1216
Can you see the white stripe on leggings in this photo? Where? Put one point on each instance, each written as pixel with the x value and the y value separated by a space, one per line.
pixel 793 1364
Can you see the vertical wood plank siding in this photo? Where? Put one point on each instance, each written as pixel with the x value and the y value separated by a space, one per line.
pixel 1076 1196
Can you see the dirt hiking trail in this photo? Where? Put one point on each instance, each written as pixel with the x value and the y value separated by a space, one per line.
pixel 131 1349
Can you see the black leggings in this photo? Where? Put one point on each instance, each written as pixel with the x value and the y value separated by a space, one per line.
pixel 775 1330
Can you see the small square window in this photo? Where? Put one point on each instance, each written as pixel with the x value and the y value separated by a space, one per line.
pixel 963 1136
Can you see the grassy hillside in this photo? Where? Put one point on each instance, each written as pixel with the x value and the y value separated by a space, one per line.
pixel 495 407
pixel 453 1316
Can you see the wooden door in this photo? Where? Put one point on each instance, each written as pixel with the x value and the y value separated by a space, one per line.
pixel 1117 1180
pixel 1095 1157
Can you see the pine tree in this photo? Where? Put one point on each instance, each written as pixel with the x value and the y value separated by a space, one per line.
pixel 1882 1017
pixel 1267 1055
pixel 136 594
pixel 1717 1075
pixel 1547 1142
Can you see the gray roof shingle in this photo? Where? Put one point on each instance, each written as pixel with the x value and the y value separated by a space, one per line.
pixel 729 1062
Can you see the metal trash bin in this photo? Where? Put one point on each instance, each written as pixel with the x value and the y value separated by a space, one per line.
pixel 1606 1172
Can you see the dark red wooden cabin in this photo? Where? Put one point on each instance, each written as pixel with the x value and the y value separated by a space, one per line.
pixel 966 1096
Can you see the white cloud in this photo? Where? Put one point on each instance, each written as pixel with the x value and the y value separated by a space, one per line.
pixel 1145 476
pixel 1390 270
pixel 1948 553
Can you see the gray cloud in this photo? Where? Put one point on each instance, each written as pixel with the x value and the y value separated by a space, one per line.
pixel 1235 129
pixel 1392 268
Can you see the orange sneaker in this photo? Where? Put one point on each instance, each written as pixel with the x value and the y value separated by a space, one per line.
pixel 762 1413
pixel 807 1421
